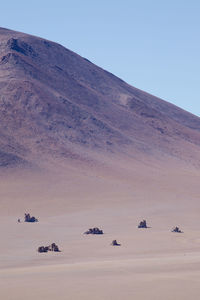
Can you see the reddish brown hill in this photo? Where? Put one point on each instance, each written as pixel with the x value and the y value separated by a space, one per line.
pixel 54 103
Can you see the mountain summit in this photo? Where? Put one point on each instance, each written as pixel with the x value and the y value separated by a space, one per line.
pixel 55 104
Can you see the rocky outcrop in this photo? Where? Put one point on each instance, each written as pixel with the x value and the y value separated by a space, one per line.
pixel 42 249
pixel 53 247
pixel 28 218
pixel 115 243
pixel 143 224
pixel 94 230
pixel 176 229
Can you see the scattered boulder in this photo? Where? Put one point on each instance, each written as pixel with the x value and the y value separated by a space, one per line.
pixel 143 224
pixel 28 218
pixel 176 229
pixel 94 230
pixel 115 243
pixel 53 247
pixel 42 249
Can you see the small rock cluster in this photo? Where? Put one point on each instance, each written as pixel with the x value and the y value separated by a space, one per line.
pixel 28 218
pixel 52 247
pixel 94 230
pixel 176 229
pixel 143 224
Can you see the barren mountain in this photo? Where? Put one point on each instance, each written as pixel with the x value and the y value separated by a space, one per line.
pixel 57 104
pixel 80 148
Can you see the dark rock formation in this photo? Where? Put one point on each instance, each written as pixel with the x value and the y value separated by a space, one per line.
pixel 176 229
pixel 53 247
pixel 115 243
pixel 143 224
pixel 94 230
pixel 42 249
pixel 28 218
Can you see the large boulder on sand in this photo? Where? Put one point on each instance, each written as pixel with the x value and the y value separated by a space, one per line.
pixel 115 243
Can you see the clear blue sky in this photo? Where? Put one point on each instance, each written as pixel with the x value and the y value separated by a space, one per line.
pixel 152 44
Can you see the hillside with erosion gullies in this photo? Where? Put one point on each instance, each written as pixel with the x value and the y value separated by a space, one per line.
pixel 58 106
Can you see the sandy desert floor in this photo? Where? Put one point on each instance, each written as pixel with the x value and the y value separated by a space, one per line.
pixel 151 263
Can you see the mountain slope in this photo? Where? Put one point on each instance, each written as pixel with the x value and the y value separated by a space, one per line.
pixel 54 103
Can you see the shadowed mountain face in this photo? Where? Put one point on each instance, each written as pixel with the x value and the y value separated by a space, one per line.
pixel 56 104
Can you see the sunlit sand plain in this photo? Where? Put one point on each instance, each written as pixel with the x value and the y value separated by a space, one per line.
pixel 151 263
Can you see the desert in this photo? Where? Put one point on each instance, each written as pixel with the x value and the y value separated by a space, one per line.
pixel 80 149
